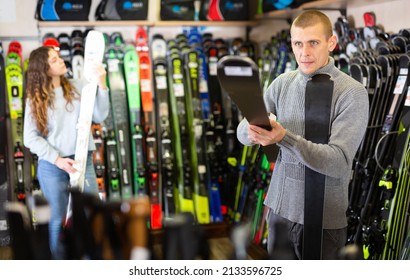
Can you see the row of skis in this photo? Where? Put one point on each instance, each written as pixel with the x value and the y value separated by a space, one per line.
pixel 13 156
pixel 378 214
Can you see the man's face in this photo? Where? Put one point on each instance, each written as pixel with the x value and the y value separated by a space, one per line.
pixel 311 48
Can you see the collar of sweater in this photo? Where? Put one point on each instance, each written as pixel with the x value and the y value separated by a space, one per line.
pixel 327 69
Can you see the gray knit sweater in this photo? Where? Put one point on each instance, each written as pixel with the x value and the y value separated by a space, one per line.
pixel 349 117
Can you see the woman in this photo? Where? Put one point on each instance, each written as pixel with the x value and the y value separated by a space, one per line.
pixel 51 115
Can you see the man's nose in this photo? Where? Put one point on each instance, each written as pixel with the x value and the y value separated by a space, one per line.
pixel 306 50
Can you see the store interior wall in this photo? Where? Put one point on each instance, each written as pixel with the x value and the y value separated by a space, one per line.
pixel 392 15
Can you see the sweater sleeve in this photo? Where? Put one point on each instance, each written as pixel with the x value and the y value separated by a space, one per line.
pixel 34 140
pixel 101 106
pixel 347 130
pixel 101 103
pixel 242 132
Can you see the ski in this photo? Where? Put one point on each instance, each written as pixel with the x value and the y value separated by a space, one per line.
pixel 4 157
pixel 179 134
pixel 317 115
pixel 119 107
pixel 218 125
pixel 196 137
pixel 14 81
pixel 132 79
pixel 234 214
pixel 208 138
pixel 94 53
pixel 111 158
pixel 168 178
pixel 149 111
pixel 232 72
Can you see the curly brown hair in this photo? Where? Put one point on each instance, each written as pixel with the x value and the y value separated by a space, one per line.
pixel 40 89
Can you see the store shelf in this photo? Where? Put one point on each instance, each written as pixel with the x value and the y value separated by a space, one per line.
pixel 144 23
pixel 284 14
pixel 287 14
pixel 95 23
pixel 205 23
pixel 341 5
pixel 364 3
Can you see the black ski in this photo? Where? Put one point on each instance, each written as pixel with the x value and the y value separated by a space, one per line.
pixel 165 150
pixel 239 76
pixel 317 125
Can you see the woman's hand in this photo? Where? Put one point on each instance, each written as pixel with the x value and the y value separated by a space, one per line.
pixel 65 164
pixel 101 75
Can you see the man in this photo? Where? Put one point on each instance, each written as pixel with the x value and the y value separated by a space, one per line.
pixel 312 40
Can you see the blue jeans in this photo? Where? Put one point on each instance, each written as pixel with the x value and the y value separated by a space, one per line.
pixel 54 184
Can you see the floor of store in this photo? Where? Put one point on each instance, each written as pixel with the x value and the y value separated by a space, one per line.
pixel 220 249
pixel 6 253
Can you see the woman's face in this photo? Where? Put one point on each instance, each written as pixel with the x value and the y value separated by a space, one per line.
pixel 56 63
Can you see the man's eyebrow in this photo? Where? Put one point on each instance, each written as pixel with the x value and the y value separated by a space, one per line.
pixel 311 40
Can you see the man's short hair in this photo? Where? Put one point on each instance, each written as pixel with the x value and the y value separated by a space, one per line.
pixel 312 17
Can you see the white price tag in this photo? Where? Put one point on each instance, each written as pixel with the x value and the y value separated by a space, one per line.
pixel 241 71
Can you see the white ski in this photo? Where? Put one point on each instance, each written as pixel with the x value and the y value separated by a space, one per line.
pixel 93 53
